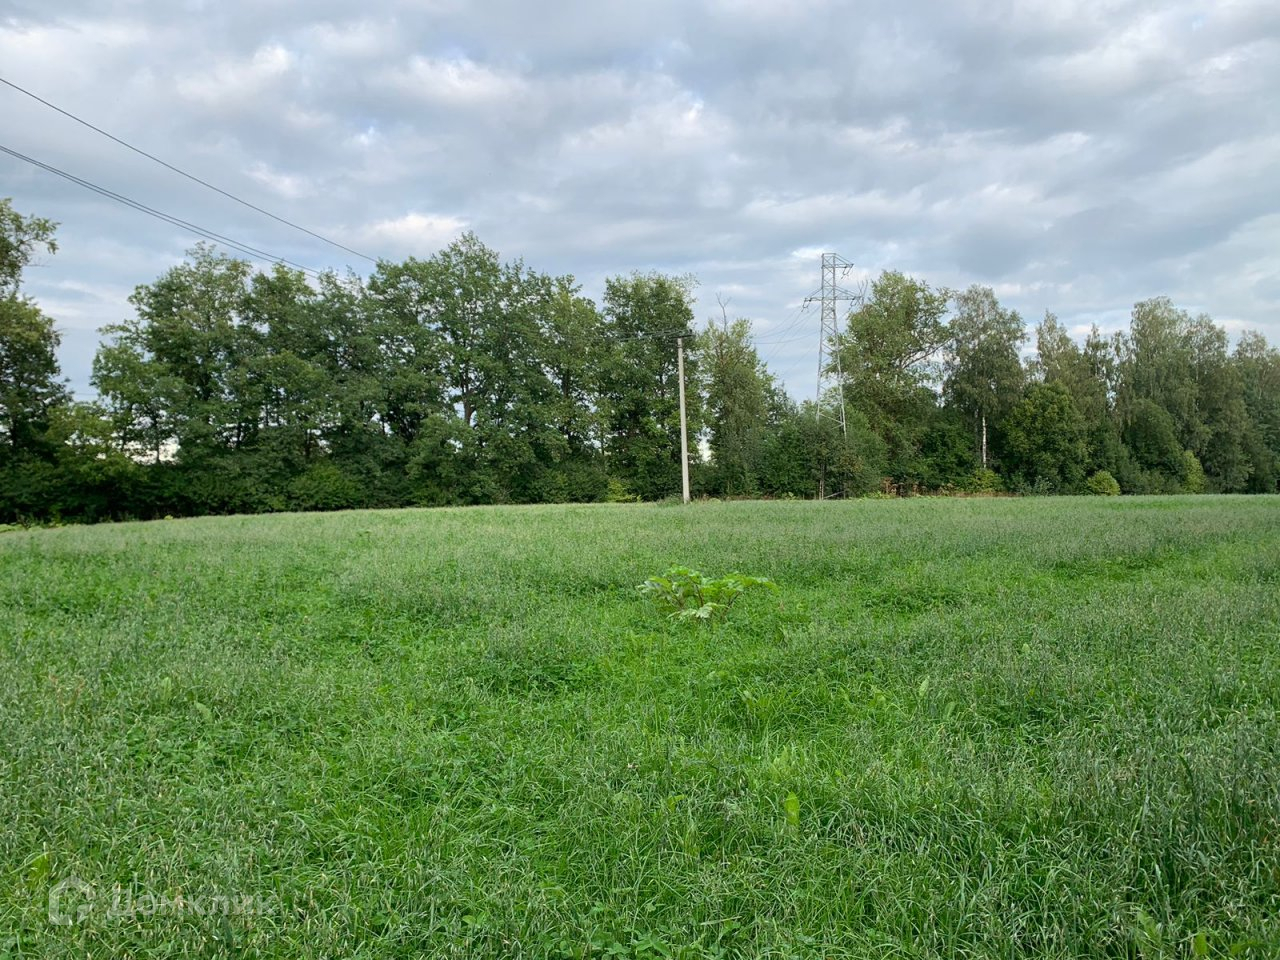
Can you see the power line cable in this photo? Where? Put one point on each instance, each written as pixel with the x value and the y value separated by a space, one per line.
pixel 190 176
pixel 794 319
pixel 254 251
pixel 789 325
pixel 792 322
pixel 778 343
pixel 797 316
pixel 159 214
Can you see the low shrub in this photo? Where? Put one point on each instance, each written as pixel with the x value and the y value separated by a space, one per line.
pixel 1103 484
pixel 985 481
pixel 618 492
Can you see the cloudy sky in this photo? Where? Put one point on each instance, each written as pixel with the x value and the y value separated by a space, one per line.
pixel 1075 156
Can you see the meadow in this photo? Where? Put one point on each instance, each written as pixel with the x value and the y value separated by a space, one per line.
pixel 961 728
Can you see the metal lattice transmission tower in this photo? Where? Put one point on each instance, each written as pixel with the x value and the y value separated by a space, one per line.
pixel 834 269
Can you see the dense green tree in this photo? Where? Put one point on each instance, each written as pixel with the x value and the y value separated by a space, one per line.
pixel 740 397
pixel 408 387
pixel 888 357
pixel 1155 363
pixel 1220 408
pixel 644 314
pixel 30 383
pixel 1152 434
pixel 461 378
pixel 573 353
pixel 92 479
pixel 808 456
pixel 1258 367
pixel 984 374
pixel 1059 359
pixel 21 240
pixel 1044 440
pixel 1088 374
pixel 32 393
pixel 1183 366
pixel 135 391
pixel 283 389
pixel 493 321
pixel 187 346
pixel 946 459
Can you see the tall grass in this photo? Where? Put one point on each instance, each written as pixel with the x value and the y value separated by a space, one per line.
pixel 999 728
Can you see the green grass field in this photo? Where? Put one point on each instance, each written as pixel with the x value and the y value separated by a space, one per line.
pixel 963 728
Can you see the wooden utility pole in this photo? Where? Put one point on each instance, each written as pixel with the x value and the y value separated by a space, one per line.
pixel 684 423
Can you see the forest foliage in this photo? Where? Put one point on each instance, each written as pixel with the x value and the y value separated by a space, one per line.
pixel 466 379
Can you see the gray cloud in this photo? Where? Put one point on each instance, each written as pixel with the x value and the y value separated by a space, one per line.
pixel 1075 156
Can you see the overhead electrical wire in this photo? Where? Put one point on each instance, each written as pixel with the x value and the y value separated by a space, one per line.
pixel 159 214
pixel 790 324
pixel 795 318
pixel 246 248
pixel 792 321
pixel 190 176
pixel 778 343
pixel 274 258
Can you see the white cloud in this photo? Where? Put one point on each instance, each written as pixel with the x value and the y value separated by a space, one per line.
pixel 414 234
pixel 235 81
pixel 826 209
pixel 454 82
pixel 678 127
pixel 356 39
pixel 286 185
pixel 766 11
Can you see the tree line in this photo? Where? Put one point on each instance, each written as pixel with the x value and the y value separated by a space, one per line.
pixel 466 379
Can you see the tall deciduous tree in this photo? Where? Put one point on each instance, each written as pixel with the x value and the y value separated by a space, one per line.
pixel 984 375
pixel 173 370
pixel 30 383
pixel 573 353
pixel 644 314
pixel 1258 366
pixel 21 240
pixel 486 332
pixel 740 398
pixel 808 456
pixel 889 359
pixel 1088 374
pixel 1045 439
pixel 1154 360
pixel 1152 434
pixel 30 386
